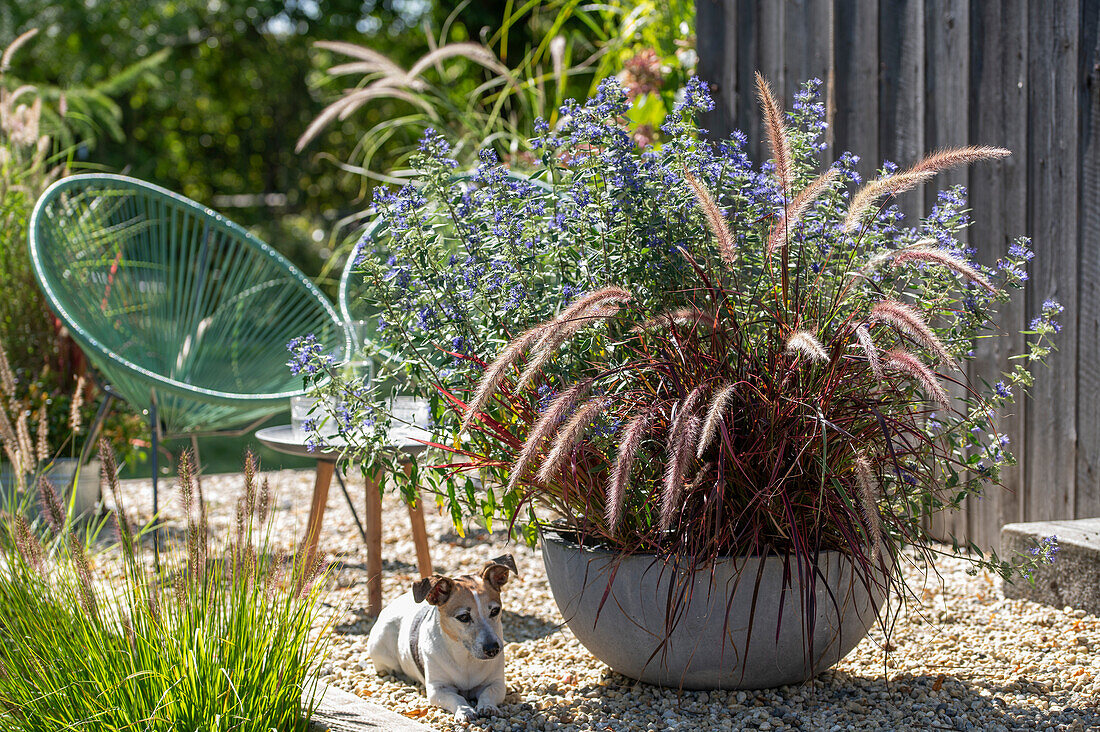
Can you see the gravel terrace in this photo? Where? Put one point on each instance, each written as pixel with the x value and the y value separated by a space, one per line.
pixel 966 659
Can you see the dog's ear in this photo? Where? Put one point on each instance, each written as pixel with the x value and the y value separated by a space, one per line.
pixel 495 572
pixel 434 589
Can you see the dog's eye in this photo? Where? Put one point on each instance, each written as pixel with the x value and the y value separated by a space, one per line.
pixel 463 618
pixel 494 612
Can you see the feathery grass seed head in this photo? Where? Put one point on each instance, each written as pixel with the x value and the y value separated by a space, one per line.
pixel 719 403
pixel 570 436
pixel 906 319
pixel 805 343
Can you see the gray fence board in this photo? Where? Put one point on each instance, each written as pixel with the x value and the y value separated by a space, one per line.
pixel 1087 499
pixel 904 76
pixel 1051 466
pixel 998 194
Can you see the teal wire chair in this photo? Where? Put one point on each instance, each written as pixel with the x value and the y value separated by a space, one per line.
pixel 186 314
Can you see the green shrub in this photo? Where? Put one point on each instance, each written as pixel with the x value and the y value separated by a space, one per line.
pixel 219 639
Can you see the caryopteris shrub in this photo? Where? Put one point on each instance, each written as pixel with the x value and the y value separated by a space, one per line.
pixel 221 639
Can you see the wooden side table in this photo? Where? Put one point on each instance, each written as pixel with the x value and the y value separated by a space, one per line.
pixel 283 439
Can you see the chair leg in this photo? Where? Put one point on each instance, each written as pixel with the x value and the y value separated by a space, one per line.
pixel 419 532
pixel 374 542
pixel 154 429
pixel 351 505
pixel 321 484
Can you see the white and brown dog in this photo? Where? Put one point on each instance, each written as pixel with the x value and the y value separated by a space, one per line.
pixel 447 634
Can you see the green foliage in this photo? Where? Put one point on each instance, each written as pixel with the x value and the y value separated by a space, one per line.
pixel 220 640
pixel 35 135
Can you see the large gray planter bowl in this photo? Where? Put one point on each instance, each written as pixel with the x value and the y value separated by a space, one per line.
pixel 703 650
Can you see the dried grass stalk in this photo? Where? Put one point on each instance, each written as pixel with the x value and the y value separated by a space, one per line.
pixel 7 378
pixel 42 435
pixel 719 403
pixel 26 447
pixel 893 185
pixel 682 438
pixel 9 52
pixel 921 172
pixel 51 505
pixel 544 427
pixel 716 222
pixel 84 576
pixel 495 372
pixel 560 332
pixel 914 368
pixel 76 419
pixel 798 207
pixel 805 343
pixel 953 157
pixel 687 316
pixel 679 459
pixel 543 339
pixel 938 256
pixel 778 139
pixel 909 321
pixel 569 436
pixel 870 350
pixel 868 499
pixel 629 448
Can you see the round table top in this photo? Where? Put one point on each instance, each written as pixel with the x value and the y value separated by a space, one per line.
pixel 282 438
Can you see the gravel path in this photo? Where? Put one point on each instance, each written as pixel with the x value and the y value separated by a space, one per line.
pixel 966 659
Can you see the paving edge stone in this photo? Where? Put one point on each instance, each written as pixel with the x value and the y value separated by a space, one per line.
pixel 341 711
pixel 1074 577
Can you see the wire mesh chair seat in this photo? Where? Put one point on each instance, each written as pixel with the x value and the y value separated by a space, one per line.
pixel 184 312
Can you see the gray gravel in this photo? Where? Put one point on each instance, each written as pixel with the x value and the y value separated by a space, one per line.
pixel 964 658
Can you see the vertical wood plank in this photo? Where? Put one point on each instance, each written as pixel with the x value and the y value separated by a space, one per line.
pixel 998 196
pixel 807 41
pixel 1087 499
pixel 946 79
pixel 716 34
pixel 1053 169
pixel 747 61
pixel 902 95
pixel 808 50
pixel 770 47
pixel 857 82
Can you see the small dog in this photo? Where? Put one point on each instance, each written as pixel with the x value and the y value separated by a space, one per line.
pixel 452 643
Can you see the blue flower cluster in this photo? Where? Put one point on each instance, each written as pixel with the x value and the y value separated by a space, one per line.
pixel 307 356
pixel 1045 321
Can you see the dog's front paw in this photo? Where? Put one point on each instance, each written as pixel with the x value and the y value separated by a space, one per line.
pixel 465 714
pixel 488 710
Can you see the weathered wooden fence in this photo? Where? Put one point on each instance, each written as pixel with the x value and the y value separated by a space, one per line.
pixel 905 76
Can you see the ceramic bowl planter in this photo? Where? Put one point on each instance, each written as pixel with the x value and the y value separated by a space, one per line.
pixel 629 633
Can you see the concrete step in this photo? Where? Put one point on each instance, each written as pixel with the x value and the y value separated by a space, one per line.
pixel 1074 577
pixel 340 711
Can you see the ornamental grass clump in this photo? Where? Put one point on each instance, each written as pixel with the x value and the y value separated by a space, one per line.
pixel 672 351
pixel 222 639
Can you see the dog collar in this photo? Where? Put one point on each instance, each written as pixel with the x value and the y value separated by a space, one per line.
pixel 414 637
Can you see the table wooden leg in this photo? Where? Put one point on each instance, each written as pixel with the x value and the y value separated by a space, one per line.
pixel 316 513
pixel 419 532
pixel 374 542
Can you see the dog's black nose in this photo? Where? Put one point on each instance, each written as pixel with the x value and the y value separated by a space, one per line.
pixel 491 649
